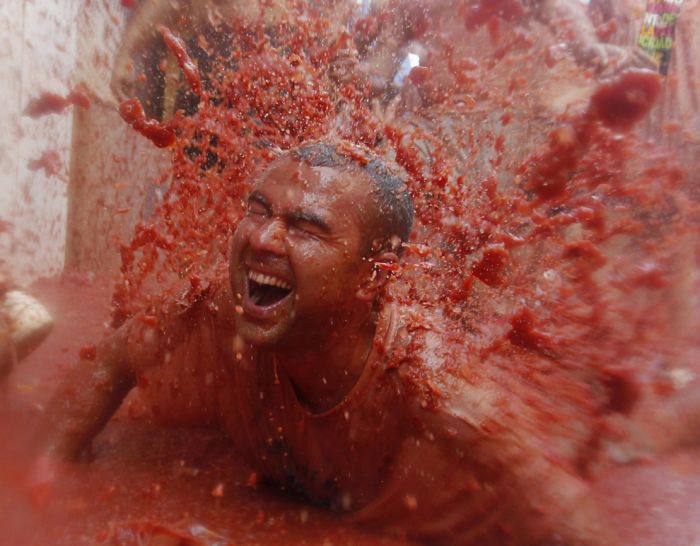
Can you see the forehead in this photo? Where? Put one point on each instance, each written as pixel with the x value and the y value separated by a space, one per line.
pixel 294 183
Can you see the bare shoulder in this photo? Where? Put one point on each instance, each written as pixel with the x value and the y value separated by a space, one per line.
pixel 481 437
pixel 179 355
pixel 154 334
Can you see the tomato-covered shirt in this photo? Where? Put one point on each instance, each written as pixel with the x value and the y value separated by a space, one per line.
pixel 435 455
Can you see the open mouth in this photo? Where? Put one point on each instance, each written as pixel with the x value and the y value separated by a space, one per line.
pixel 266 290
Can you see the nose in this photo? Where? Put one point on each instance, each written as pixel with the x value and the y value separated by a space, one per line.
pixel 268 236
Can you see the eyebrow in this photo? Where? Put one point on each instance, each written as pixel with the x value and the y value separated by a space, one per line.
pixel 292 217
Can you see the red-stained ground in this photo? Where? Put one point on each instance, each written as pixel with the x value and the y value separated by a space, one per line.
pixel 170 482
pixel 655 505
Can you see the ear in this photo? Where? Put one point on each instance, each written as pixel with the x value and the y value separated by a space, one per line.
pixel 383 264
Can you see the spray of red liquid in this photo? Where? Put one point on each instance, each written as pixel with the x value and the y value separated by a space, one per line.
pixel 557 265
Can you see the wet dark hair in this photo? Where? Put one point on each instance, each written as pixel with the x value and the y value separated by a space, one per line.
pixel 392 199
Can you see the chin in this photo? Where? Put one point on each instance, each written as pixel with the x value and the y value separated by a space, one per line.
pixel 260 335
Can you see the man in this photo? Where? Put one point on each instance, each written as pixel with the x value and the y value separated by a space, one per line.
pixel 328 389
pixel 449 32
pixel 139 67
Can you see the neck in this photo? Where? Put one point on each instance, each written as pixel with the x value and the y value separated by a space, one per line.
pixel 324 372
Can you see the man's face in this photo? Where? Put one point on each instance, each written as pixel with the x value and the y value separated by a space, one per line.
pixel 297 256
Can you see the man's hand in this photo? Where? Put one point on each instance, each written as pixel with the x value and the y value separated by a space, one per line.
pixel 610 59
pixel 87 398
pixel 586 46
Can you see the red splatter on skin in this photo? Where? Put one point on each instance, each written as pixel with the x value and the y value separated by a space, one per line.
pixel 88 352
pixel 49 162
pixel 129 3
pixel 187 65
pixel 623 388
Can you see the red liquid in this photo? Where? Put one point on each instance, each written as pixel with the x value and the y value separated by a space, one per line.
pixel 554 258
pixel 51 103
pixel 177 47
pixel 160 134
pixel 49 162
pixel 623 102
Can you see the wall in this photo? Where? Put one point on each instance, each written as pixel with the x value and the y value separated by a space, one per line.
pixel 65 214
pixel 112 166
pixel 37 53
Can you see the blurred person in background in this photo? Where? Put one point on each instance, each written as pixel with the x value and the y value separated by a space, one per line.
pixel 668 31
pixel 144 69
pixel 436 34
pixel 24 324
pixel 391 37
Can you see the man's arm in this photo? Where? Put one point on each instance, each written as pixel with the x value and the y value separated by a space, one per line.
pixel 88 397
pixel 85 400
pixel 93 391
pixel 585 44
pixel 151 341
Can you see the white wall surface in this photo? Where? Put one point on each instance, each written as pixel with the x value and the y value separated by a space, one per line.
pixel 37 53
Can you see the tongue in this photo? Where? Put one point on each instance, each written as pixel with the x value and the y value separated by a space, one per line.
pixel 265 295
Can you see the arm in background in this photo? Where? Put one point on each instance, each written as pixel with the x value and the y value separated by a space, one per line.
pixel 585 44
pixel 93 391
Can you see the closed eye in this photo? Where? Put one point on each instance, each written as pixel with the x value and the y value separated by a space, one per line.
pixel 257 206
pixel 308 228
pixel 308 223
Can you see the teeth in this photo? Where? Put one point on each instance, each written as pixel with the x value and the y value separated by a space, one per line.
pixel 268 280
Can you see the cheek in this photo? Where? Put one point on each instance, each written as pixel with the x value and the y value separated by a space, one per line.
pixel 241 235
pixel 329 274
